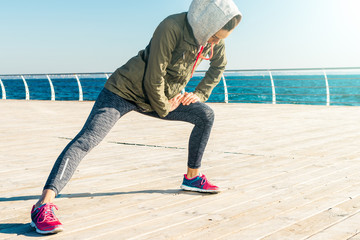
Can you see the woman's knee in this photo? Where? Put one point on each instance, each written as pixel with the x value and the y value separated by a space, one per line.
pixel 87 140
pixel 207 114
pixel 85 145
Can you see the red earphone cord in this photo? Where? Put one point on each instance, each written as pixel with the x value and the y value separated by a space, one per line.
pixel 199 56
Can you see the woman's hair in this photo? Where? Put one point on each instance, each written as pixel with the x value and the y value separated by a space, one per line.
pixel 232 23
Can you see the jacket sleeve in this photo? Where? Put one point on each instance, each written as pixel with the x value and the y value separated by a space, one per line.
pixel 214 73
pixel 162 45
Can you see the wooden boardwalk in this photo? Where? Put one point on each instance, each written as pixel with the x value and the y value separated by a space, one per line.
pixel 287 172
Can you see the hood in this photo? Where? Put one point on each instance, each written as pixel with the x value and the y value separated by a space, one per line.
pixel 206 17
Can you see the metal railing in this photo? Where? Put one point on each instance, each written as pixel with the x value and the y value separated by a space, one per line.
pixel 50 79
pixel 326 86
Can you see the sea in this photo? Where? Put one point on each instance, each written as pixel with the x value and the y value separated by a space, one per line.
pixel 333 87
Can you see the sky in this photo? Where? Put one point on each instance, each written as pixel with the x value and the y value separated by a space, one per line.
pixel 77 36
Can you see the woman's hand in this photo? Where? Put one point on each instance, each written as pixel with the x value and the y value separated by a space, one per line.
pixel 176 101
pixel 185 99
pixel 189 98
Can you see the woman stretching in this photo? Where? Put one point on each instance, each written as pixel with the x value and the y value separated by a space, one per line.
pixel 151 83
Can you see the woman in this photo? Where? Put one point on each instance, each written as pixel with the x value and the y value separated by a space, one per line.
pixel 151 83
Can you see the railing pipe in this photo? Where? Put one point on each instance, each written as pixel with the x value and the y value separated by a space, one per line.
pixel 27 93
pixel 51 88
pixel 3 90
pixel 327 89
pixel 80 88
pixel 202 71
pixel 273 88
pixel 225 89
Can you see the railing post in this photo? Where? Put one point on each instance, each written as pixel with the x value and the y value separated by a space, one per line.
pixel 225 89
pixel 80 88
pixel 273 88
pixel 327 89
pixel 3 90
pixel 26 88
pixel 52 88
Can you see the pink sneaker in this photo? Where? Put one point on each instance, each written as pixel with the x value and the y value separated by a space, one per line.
pixel 44 219
pixel 199 184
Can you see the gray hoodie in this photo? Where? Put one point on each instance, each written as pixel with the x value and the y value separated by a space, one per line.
pixel 206 17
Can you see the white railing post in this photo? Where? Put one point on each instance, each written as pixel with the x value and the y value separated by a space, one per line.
pixel 80 88
pixel 3 90
pixel 327 89
pixel 52 88
pixel 273 88
pixel 225 89
pixel 26 88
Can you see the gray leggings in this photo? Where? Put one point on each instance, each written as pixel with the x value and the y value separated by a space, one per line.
pixel 107 110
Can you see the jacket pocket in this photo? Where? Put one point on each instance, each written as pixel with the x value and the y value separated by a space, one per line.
pixel 180 63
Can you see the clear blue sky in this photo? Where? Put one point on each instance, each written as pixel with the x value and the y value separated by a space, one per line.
pixel 42 36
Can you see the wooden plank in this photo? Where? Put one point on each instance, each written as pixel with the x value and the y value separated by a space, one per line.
pixel 322 220
pixel 346 228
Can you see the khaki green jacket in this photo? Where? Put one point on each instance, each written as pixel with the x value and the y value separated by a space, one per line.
pixel 163 69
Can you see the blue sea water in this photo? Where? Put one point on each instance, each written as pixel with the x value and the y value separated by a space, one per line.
pixel 242 87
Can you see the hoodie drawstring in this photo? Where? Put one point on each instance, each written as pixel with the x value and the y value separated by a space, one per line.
pixel 211 53
pixel 200 56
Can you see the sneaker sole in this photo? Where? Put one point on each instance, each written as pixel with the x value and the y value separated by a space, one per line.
pixel 187 188
pixel 56 230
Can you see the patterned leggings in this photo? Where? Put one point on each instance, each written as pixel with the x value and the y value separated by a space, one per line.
pixel 107 110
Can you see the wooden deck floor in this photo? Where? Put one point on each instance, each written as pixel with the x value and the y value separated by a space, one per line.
pixel 287 172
